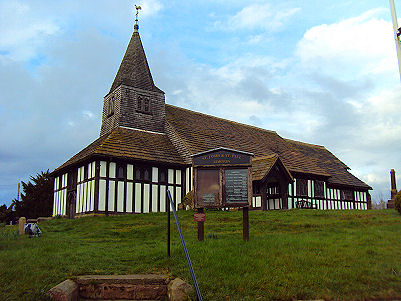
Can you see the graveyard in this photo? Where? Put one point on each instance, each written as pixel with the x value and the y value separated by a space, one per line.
pixel 290 255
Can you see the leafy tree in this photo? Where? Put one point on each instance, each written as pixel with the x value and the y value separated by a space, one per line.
pixel 7 214
pixel 36 199
pixel 397 202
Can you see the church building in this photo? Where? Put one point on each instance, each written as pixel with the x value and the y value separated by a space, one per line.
pixel 145 148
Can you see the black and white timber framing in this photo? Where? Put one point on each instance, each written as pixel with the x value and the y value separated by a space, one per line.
pixel 145 149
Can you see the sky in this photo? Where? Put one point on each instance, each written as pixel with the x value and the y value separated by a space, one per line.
pixel 320 71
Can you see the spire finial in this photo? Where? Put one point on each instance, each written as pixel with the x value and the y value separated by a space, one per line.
pixel 136 26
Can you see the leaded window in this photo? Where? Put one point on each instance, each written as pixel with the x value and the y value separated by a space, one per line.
pixel 347 195
pixel 302 187
pixel 319 189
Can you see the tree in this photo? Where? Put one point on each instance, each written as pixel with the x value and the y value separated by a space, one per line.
pixel 397 202
pixel 36 199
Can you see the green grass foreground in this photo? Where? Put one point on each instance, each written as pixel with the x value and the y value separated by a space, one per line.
pixel 296 254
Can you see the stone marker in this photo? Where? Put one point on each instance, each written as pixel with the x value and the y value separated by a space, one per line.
pixel 67 290
pixel 179 290
pixel 21 225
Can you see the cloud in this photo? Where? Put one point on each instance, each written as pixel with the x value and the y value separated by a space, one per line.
pixel 258 16
pixel 363 44
pixel 149 7
pixel 22 33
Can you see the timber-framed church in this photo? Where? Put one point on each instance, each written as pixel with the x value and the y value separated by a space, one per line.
pixel 145 149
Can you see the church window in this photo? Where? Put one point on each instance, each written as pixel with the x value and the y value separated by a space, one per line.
pixel 110 107
pixel 146 176
pixel 120 173
pixel 347 195
pixel 302 187
pixel 138 173
pixel 319 189
pixel 162 175
pixel 139 105
pixel 143 104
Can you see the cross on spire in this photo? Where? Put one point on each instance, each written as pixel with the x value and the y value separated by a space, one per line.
pixel 136 26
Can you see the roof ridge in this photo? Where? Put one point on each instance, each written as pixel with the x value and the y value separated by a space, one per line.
pixel 224 119
pixel 309 144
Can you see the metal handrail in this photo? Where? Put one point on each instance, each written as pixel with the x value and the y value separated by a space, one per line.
pixel 184 246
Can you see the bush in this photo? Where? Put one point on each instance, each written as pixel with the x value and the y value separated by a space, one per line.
pixel 188 200
pixel 397 202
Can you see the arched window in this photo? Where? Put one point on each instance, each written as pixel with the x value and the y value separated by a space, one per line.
pixel 146 105
pixel 110 108
pixel 139 104
pixel 120 173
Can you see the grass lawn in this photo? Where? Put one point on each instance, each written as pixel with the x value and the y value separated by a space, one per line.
pixel 295 254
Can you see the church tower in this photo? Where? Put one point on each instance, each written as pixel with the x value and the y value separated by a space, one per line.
pixel 133 100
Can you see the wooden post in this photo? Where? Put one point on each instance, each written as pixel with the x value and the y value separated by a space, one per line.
pixel 245 223
pixel 21 224
pixel 201 228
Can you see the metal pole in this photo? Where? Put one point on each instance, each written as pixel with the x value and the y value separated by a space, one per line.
pixel 396 38
pixel 185 247
pixel 168 226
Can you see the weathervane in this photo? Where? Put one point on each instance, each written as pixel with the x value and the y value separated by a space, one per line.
pixel 137 7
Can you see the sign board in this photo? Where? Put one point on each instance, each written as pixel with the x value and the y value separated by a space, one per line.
pixel 199 217
pixel 222 178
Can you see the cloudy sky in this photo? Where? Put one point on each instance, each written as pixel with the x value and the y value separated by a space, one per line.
pixel 318 71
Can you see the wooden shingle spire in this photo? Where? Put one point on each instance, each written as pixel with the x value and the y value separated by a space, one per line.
pixel 134 69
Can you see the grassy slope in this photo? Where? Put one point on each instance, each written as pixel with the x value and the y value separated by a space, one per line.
pixel 301 254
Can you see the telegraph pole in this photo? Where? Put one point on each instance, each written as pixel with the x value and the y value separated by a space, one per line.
pixel 397 33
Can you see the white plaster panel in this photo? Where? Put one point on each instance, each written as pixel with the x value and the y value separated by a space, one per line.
pixel 89 170
pixel 155 198
pixel 171 189
pixel 130 171
pixel 138 194
pixel 171 176
pixel 86 198
pixel 78 197
pixel 65 202
pixel 92 207
pixel 187 176
pixel 103 165
pixel 112 187
pixel 191 174
pixel 178 196
pixel 54 203
pixel 112 170
pixel 162 198
pixel 155 174
pixel 271 204
pixel 178 176
pixel 128 205
pixel 295 186
pixel 276 203
pixel 120 196
pixel 93 169
pixel 258 201
pixel 146 198
pixel 102 195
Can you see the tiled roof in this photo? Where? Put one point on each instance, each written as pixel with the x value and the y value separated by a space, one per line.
pixel 261 166
pixel 130 144
pixel 134 69
pixel 338 171
pixel 200 132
